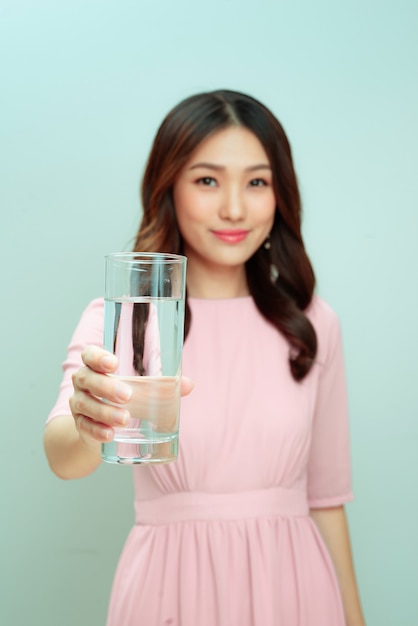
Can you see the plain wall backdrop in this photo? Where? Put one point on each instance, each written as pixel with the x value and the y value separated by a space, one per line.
pixel 84 86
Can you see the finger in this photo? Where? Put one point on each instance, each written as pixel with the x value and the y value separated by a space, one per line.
pixel 89 429
pixel 186 386
pixel 110 388
pixel 84 405
pixel 99 360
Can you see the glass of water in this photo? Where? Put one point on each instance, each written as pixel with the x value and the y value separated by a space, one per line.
pixel 143 327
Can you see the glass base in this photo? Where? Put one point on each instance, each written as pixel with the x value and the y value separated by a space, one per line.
pixel 163 449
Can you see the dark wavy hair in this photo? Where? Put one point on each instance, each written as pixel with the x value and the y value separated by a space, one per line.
pixel 282 301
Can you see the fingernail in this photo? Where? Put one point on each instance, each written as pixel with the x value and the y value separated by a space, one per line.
pixel 123 392
pixel 107 434
pixel 121 417
pixel 109 362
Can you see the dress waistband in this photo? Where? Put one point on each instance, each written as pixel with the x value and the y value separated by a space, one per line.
pixel 191 505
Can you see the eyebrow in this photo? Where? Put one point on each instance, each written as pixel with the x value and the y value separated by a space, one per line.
pixel 218 168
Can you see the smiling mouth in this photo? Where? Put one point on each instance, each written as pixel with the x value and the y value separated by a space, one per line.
pixel 231 236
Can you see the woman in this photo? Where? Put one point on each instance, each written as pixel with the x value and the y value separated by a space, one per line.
pixel 247 527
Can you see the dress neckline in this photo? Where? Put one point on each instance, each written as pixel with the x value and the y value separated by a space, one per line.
pixel 220 300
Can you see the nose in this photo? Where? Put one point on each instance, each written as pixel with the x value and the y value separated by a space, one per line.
pixel 232 206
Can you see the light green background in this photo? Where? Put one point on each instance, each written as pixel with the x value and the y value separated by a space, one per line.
pixel 84 86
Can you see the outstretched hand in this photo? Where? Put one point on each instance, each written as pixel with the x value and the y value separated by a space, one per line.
pixel 97 403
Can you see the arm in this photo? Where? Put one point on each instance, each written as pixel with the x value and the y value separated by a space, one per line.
pixel 68 455
pixel 332 525
pixel 72 442
pixel 329 468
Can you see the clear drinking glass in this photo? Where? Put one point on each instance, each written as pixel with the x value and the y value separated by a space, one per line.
pixel 143 327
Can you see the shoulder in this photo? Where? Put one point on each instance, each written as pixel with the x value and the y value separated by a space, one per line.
pixel 321 314
pixel 90 326
pixel 326 324
pixel 95 308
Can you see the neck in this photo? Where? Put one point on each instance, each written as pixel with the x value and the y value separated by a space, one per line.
pixel 221 283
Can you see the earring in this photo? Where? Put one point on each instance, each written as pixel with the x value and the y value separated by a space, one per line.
pixel 274 273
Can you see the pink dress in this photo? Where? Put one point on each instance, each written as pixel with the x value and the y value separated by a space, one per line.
pixel 222 535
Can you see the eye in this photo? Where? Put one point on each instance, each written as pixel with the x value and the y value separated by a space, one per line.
pixel 258 182
pixel 207 181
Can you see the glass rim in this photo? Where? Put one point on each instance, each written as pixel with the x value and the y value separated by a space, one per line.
pixel 145 257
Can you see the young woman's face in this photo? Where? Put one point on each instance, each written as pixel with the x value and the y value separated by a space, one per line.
pixel 224 199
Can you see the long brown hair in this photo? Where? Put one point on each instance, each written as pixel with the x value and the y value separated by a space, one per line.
pixel 281 301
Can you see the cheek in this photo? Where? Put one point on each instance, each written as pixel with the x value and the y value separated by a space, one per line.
pixel 184 197
pixel 178 197
pixel 187 217
pixel 265 211
pixel 187 214
pixel 181 204
pixel 191 208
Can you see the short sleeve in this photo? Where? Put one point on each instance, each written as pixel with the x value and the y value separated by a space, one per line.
pixel 329 466
pixel 89 331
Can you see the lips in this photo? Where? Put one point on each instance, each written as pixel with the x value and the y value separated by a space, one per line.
pixel 231 236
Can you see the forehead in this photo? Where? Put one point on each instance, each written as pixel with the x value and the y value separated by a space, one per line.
pixel 233 144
